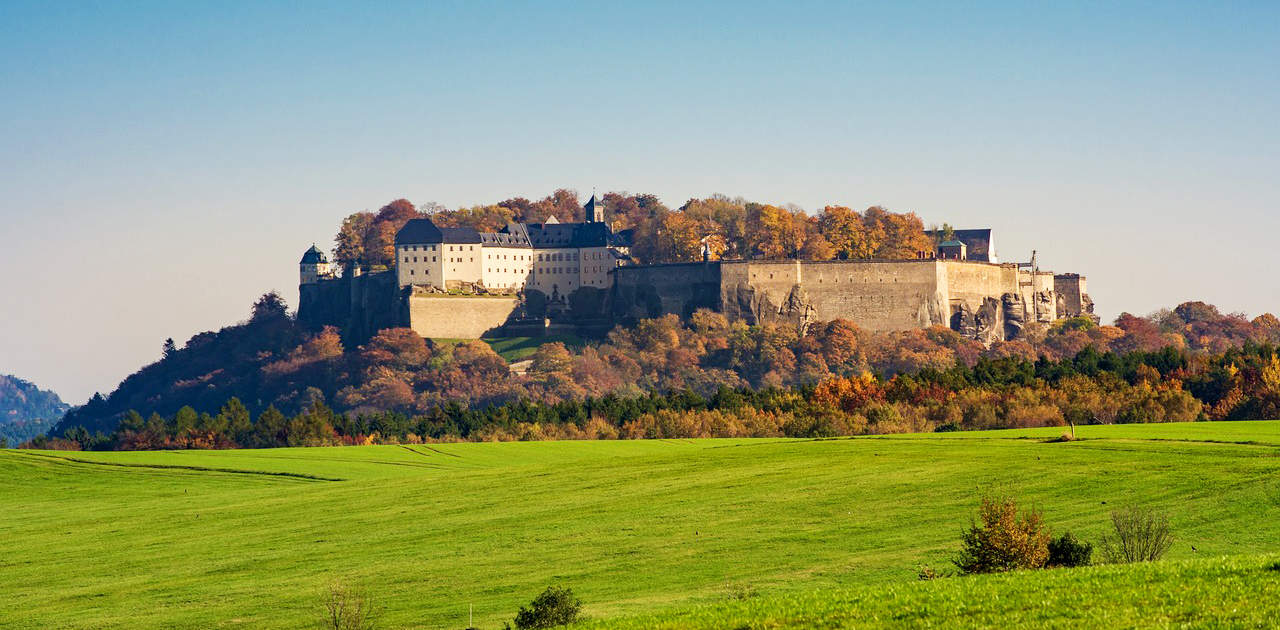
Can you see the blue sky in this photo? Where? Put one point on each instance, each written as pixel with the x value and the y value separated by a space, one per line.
pixel 162 164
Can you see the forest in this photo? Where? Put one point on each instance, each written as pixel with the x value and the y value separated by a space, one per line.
pixel 269 382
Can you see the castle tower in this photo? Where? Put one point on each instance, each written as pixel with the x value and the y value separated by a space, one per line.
pixel 314 266
pixel 594 210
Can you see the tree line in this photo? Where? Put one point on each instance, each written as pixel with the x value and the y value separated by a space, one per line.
pixel 726 227
pixel 1091 387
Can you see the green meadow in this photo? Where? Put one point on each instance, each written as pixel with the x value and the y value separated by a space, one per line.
pixel 675 534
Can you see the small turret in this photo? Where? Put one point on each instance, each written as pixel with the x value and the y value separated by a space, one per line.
pixel 594 210
pixel 314 266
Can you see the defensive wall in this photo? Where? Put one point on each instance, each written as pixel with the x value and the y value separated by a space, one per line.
pixel 459 317
pixel 984 301
pixel 360 306
pixel 877 295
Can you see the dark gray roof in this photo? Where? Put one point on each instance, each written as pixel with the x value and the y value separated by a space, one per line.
pixel 590 208
pixel 506 238
pixel 547 235
pixel 423 230
pixel 535 235
pixel 314 256
pixel 460 235
pixel 951 243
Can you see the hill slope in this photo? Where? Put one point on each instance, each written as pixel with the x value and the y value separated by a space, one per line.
pixel 250 538
pixel 1228 592
pixel 26 410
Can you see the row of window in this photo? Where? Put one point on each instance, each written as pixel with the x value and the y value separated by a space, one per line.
pixel 432 248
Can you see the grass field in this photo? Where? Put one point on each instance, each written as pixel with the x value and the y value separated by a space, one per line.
pixel 648 533
pixel 520 348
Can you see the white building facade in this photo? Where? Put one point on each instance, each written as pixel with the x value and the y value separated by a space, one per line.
pixel 554 258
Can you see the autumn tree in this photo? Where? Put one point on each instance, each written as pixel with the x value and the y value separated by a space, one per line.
pixel 349 244
pixel 379 249
pixel 268 307
pixel 774 232
pixel 843 228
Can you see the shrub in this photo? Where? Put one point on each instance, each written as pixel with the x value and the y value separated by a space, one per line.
pixel 1003 541
pixel 1141 535
pixel 346 608
pixel 927 573
pixel 556 606
pixel 1069 551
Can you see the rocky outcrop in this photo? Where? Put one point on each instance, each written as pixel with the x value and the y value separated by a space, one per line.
pixel 1015 315
pixel 984 323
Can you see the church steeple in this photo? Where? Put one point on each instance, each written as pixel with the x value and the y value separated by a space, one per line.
pixel 594 210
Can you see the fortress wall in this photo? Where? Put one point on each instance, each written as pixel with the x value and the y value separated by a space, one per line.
pixel 1072 295
pixel 359 306
pixel 971 282
pixel 1026 290
pixel 1043 284
pixel 455 317
pixel 656 290
pixel 876 295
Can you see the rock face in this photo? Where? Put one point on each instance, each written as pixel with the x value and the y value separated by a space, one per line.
pixel 986 323
pixel 1015 315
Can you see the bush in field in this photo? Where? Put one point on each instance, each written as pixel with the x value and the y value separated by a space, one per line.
pixel 346 608
pixel 556 606
pixel 1069 551
pixel 1003 540
pixel 1140 535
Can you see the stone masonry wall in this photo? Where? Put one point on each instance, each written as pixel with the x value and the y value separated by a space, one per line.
pixel 360 306
pixel 459 317
pixel 876 295
pixel 654 290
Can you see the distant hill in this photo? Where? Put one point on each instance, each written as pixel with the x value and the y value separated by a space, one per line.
pixel 26 410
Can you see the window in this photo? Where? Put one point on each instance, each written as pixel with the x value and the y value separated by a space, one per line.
pixel 411 272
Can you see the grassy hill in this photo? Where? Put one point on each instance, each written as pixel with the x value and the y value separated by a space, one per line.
pixel 1224 592
pixel 646 532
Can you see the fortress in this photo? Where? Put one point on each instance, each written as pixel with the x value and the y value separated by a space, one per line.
pixel 531 278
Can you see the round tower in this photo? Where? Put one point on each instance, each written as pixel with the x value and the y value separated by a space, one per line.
pixel 314 266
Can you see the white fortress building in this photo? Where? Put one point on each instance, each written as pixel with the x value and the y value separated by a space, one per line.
pixel 554 258
pixel 314 266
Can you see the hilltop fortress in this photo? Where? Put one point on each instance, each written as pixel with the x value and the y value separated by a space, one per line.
pixel 531 278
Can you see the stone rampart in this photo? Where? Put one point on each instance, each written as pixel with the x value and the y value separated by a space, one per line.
pixel 360 306
pixel 654 290
pixel 459 317
pixel 984 301
pixel 876 295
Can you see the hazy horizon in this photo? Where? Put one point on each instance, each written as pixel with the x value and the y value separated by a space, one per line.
pixel 163 165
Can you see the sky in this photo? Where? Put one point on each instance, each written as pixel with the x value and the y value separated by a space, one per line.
pixel 163 164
